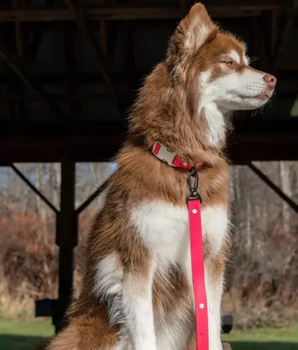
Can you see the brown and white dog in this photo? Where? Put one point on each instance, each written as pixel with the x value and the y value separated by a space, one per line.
pixel 137 289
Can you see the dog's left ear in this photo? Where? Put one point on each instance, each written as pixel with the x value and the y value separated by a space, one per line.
pixel 196 28
pixel 193 31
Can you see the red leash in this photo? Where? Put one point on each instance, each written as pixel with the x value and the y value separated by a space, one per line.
pixel 196 241
pixel 198 278
pixel 197 262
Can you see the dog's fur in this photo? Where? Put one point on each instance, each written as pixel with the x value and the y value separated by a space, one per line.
pixel 137 289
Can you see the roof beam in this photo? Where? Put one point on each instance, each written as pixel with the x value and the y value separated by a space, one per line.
pixel 133 12
pixel 98 141
pixel 14 63
pixel 243 148
pixel 36 40
pixel 284 34
pixel 79 17
pixel 74 105
pixel 20 44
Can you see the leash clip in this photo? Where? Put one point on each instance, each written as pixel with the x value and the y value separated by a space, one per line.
pixel 193 184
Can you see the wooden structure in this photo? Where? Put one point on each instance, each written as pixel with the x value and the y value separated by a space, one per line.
pixel 69 70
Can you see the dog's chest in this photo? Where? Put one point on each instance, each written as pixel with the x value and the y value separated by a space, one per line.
pixel 164 229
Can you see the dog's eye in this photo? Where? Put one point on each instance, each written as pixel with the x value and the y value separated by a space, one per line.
pixel 229 63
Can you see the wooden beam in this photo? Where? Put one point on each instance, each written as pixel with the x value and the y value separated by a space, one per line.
pixel 103 34
pixel 72 96
pixel 18 34
pixel 266 37
pixel 66 239
pixel 274 27
pixel 242 149
pixel 99 141
pixel 79 17
pixel 128 66
pixel 94 195
pixel 36 39
pixel 6 35
pixel 288 67
pixel 16 66
pixel 20 43
pixel 283 36
pixel 33 188
pixel 71 72
pixel 112 12
pixel 275 188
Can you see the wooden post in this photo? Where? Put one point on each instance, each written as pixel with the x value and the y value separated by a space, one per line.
pixel 66 239
pixel 71 72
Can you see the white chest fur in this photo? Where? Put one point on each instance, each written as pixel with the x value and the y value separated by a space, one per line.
pixel 164 230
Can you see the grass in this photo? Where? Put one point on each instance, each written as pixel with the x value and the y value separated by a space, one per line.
pixel 263 339
pixel 25 335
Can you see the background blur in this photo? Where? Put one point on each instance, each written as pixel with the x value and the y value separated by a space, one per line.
pixel 263 271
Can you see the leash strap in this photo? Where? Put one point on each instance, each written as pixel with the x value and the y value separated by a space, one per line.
pixel 198 276
pixel 196 240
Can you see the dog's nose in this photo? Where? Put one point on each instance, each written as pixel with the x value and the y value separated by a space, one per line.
pixel 270 80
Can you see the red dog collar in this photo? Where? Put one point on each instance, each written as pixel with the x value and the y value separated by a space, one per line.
pixel 166 155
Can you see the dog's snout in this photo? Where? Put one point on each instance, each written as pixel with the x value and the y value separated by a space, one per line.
pixel 270 80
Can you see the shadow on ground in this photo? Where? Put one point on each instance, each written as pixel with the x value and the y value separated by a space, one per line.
pixel 263 346
pixel 20 342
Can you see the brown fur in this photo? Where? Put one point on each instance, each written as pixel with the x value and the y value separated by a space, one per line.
pixel 164 112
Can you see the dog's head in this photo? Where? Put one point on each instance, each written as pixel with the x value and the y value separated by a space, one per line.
pixel 213 66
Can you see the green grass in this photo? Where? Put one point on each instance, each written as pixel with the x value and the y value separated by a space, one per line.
pixel 25 335
pixel 263 339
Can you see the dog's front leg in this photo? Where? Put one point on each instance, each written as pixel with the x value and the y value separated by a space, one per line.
pixel 214 289
pixel 214 273
pixel 137 305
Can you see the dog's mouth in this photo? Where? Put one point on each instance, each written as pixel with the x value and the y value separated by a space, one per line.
pixel 263 96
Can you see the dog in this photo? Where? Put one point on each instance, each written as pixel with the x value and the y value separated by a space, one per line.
pixel 137 289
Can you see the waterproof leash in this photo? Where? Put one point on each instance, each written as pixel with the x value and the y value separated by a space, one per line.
pixel 197 261
pixel 194 201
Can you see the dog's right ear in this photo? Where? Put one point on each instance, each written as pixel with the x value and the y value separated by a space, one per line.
pixel 193 31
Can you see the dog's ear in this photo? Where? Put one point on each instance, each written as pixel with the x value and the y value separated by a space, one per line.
pixel 196 28
pixel 193 31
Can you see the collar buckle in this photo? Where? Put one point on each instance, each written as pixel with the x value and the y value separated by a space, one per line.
pixel 167 156
pixel 163 153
